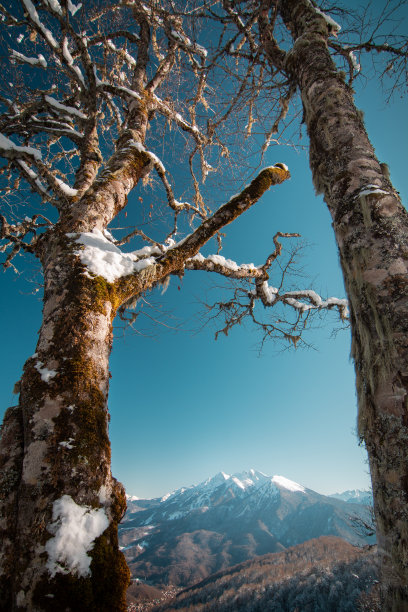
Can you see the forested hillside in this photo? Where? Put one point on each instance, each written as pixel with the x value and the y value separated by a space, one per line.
pixel 316 576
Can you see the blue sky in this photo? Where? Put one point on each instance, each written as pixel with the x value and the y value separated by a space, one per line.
pixel 183 406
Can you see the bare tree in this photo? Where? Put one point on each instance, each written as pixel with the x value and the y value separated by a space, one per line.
pixel 296 44
pixel 87 91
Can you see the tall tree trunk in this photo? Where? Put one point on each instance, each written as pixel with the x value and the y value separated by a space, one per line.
pixel 371 228
pixel 60 505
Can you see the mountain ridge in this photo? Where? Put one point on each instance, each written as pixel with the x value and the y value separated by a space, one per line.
pixel 351 495
pixel 226 519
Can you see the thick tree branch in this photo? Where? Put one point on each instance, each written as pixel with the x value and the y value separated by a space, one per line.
pixel 190 246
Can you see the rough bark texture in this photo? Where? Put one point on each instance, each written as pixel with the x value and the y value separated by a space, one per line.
pixel 371 228
pixel 64 423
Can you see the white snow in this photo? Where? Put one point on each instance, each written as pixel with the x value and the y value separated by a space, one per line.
pixel 183 39
pixel 137 145
pixel 238 482
pixel 103 258
pixel 67 443
pixel 8 145
pixel 269 293
pixel 33 176
pixel 66 189
pixel 370 189
pixel 45 373
pixel 316 300
pixel 29 6
pixel 70 110
pixel 281 481
pixel 175 515
pixel 72 8
pixel 27 168
pixel 148 520
pixel 202 50
pixel 220 260
pixel 33 61
pixel 132 497
pixel 126 90
pixel 335 27
pixel 157 162
pixel 108 235
pixel 70 60
pixel 55 6
pixel 130 60
pixel 195 47
pixel 74 528
pixel 354 61
pixel 206 168
pixel 66 53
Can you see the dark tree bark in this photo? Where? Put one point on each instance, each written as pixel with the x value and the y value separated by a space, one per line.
pixel 371 229
pixel 64 423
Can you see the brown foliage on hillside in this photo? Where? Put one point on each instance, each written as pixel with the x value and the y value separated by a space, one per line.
pixel 319 575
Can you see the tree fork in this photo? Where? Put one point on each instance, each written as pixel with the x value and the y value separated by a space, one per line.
pixel 371 228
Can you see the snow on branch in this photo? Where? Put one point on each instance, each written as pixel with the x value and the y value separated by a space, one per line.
pixel 16 236
pixel 22 157
pixel 252 288
pixel 185 125
pixel 65 109
pixel 32 178
pixel 273 175
pixel 32 61
pixel 37 23
pixel 223 266
pixel 186 44
pixel 10 150
pixel 303 300
pixel 102 257
pixel 176 205
pixel 333 27
pixel 73 8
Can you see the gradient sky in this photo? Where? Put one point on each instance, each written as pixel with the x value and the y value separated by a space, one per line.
pixel 183 406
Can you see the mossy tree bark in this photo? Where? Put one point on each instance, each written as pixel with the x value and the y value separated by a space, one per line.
pixel 371 229
pixel 62 419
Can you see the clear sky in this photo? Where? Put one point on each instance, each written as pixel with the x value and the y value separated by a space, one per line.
pixel 183 406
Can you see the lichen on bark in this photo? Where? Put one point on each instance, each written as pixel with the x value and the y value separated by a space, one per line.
pixel 371 228
pixel 67 449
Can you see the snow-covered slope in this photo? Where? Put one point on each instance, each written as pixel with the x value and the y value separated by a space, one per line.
pixel 244 490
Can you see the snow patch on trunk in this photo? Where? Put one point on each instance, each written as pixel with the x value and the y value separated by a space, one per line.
pixel 75 529
pixel 103 258
pixel 45 373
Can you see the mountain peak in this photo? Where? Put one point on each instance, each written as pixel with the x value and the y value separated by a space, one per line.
pixel 225 520
pixel 216 480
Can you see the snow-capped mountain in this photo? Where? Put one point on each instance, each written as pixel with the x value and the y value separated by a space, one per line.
pixel 194 531
pixel 355 496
